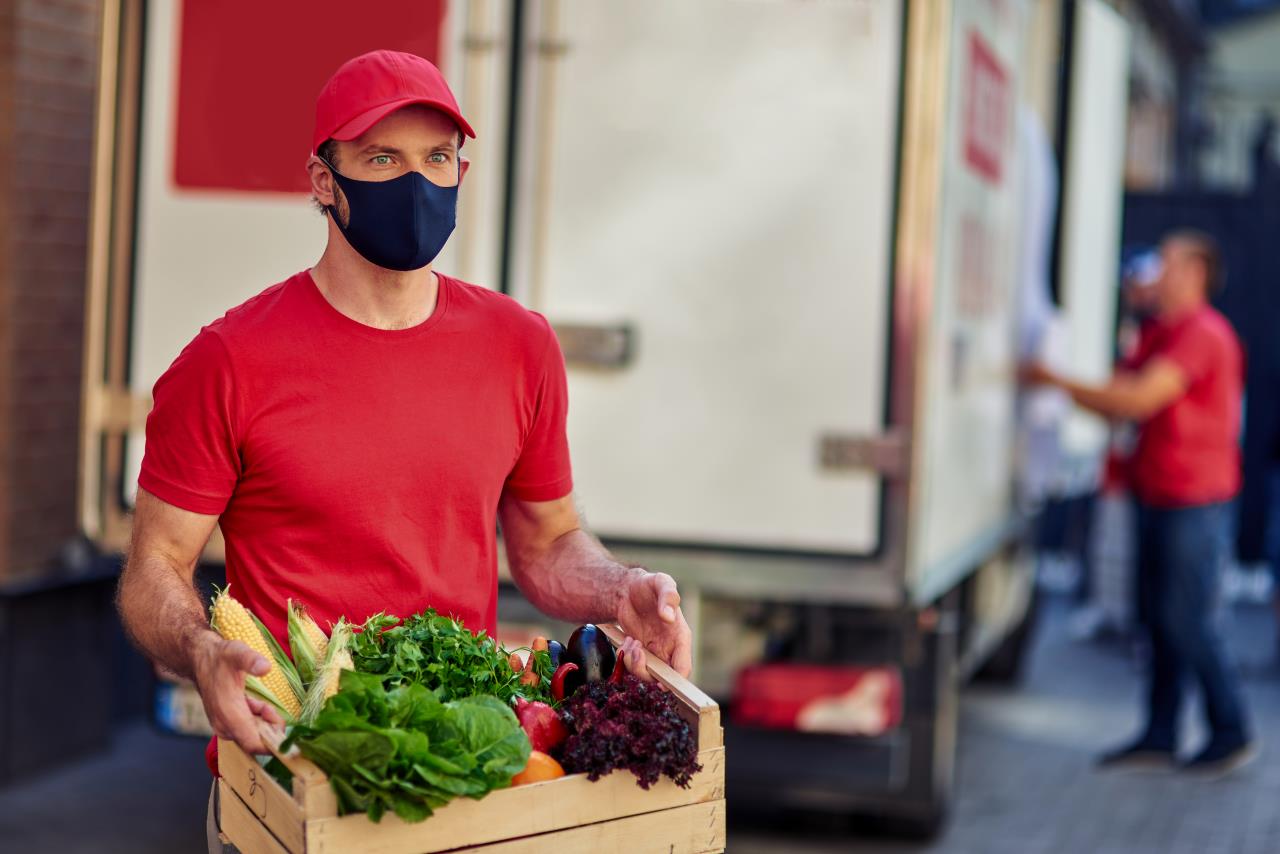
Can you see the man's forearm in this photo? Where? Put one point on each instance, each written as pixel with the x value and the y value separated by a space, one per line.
pixel 575 579
pixel 1113 400
pixel 162 613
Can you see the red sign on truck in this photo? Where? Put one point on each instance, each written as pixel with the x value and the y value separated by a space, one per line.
pixel 986 110
pixel 248 75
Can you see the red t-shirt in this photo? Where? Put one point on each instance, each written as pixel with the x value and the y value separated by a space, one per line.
pixel 355 469
pixel 1189 452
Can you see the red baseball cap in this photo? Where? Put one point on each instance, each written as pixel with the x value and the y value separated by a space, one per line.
pixel 368 88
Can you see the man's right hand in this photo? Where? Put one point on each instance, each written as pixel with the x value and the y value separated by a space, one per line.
pixel 220 667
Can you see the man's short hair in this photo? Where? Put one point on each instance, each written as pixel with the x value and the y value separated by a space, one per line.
pixel 328 151
pixel 1204 248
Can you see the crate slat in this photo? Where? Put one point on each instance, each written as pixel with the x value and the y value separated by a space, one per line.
pixel 311 789
pixel 241 826
pixel 519 811
pixel 696 829
pixel 316 798
pixel 259 791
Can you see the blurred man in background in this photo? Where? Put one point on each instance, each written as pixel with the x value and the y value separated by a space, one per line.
pixel 1139 304
pixel 1183 385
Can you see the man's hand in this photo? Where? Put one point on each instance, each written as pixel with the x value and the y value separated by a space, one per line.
pixel 1036 374
pixel 649 610
pixel 567 574
pixel 220 667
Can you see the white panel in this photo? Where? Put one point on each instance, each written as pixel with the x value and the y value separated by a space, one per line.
pixel 1092 204
pixel 475 61
pixel 721 178
pixel 965 417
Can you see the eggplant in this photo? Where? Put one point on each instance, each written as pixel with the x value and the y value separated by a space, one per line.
pixel 555 649
pixel 591 651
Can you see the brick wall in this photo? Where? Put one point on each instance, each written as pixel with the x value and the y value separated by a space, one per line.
pixel 48 68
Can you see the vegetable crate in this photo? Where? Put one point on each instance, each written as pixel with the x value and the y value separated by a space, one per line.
pixel 566 815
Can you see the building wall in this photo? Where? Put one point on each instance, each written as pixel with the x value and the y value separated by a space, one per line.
pixel 48 67
pixel 1242 84
pixel 1150 152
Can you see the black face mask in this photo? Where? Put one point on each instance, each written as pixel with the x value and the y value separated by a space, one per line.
pixel 401 224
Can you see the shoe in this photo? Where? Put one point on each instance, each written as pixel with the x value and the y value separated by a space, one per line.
pixel 1142 755
pixel 1220 758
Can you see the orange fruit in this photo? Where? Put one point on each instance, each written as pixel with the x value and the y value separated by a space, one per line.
pixel 541 767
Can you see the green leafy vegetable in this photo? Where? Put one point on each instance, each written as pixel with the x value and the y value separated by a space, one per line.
pixel 439 653
pixel 402 749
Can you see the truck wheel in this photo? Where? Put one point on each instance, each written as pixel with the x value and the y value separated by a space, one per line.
pixel 1004 666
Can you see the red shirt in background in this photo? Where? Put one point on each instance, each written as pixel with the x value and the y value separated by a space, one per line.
pixel 1189 453
pixel 355 469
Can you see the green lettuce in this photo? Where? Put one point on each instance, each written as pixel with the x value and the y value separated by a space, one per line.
pixel 403 749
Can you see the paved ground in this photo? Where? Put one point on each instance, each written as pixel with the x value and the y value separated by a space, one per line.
pixel 147 796
pixel 1025 779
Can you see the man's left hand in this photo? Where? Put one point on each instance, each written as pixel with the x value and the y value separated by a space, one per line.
pixel 649 610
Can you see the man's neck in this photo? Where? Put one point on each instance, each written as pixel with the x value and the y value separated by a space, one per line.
pixel 374 296
pixel 1181 310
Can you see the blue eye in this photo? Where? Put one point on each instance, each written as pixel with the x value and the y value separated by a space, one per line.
pixel 439 157
pixel 382 159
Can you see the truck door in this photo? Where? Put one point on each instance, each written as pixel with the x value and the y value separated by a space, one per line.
pixel 714 206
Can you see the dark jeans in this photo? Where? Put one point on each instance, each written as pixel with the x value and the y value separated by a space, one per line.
pixel 1181 554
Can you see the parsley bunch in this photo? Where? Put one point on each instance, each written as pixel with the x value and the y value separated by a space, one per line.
pixel 440 654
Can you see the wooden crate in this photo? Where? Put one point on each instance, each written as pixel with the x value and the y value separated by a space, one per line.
pixel 567 815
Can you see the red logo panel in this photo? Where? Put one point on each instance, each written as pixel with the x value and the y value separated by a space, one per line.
pixel 986 111
pixel 248 76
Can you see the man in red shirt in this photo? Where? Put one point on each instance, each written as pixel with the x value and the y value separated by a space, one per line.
pixel 1184 387
pixel 360 429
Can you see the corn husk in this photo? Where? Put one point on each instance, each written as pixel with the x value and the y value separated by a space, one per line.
pixel 307 643
pixel 337 659
pixel 281 659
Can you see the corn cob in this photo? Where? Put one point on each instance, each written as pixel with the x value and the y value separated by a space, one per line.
pixel 328 676
pixel 307 642
pixel 233 621
pixel 318 638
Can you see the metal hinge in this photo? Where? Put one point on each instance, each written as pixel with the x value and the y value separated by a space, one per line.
pixel 595 345
pixel 885 454
pixel 551 48
pixel 476 43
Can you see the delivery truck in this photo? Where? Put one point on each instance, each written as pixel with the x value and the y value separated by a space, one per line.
pixel 787 248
